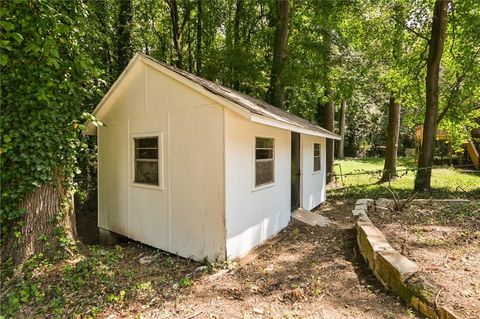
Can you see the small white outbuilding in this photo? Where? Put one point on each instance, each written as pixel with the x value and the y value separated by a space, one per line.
pixel 199 170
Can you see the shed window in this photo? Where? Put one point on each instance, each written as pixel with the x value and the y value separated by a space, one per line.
pixel 316 157
pixel 264 161
pixel 146 160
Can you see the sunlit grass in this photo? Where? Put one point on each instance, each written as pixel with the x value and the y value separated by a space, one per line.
pixel 361 176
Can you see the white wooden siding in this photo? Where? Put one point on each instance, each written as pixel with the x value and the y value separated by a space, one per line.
pixel 253 214
pixel 186 215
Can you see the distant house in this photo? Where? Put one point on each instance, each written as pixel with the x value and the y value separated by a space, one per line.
pixel 197 169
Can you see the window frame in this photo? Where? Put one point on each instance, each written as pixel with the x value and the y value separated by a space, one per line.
pixel 254 159
pixel 319 157
pixel 159 136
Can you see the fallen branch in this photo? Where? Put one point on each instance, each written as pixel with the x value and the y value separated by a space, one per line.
pixel 436 297
pixel 195 315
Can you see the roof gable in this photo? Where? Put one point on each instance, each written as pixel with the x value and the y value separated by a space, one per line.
pixel 249 107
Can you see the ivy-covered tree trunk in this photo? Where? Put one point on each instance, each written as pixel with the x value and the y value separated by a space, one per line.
pixel 437 43
pixel 393 129
pixel 276 93
pixel 48 222
pixel 43 106
pixel 341 144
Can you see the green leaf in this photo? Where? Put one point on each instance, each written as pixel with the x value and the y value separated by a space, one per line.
pixel 8 26
pixel 17 36
pixel 54 52
pixel 7 138
pixel 3 60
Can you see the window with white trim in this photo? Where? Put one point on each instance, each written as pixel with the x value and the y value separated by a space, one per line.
pixel 316 157
pixel 146 160
pixel 264 161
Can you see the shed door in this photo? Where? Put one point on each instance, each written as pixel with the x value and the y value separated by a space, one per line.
pixel 295 167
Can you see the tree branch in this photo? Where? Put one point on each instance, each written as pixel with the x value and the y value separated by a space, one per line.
pixel 456 87
pixel 418 34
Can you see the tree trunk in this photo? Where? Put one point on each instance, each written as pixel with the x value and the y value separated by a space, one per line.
pixel 176 34
pixel 199 37
pixel 329 118
pixel 328 109
pixel 276 92
pixel 189 48
pixel 437 43
pixel 341 144
pixel 393 129
pixel 124 36
pixel 49 216
pixel 236 42
pixel 393 126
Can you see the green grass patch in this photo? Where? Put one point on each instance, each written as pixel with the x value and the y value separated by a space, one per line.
pixel 361 176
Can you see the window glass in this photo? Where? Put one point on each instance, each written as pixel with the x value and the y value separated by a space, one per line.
pixel 264 142
pixel 146 160
pixel 264 161
pixel 316 157
pixel 264 154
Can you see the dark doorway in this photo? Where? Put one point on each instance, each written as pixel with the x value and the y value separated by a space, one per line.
pixel 295 196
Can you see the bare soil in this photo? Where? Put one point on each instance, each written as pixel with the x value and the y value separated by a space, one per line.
pixel 304 272
pixel 443 238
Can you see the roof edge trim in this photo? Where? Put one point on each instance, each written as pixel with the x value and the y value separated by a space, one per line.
pixel 283 125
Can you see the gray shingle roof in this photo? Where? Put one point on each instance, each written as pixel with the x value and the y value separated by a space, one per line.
pixel 252 104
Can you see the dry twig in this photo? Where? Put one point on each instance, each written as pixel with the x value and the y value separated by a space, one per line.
pixel 436 297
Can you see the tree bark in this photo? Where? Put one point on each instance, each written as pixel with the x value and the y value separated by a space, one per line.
pixel 393 126
pixel 178 29
pixel 327 111
pixel 276 92
pixel 437 43
pixel 341 144
pixel 48 210
pixel 236 42
pixel 329 118
pixel 124 36
pixel 189 48
pixel 393 129
pixel 198 56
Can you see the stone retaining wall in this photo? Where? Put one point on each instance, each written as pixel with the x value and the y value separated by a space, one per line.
pixel 395 271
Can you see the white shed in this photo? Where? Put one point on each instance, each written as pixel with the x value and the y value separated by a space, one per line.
pixel 199 170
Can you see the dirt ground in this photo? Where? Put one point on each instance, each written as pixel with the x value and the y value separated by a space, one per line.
pixel 443 238
pixel 304 272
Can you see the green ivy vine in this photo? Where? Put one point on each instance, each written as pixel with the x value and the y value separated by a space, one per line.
pixel 49 79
